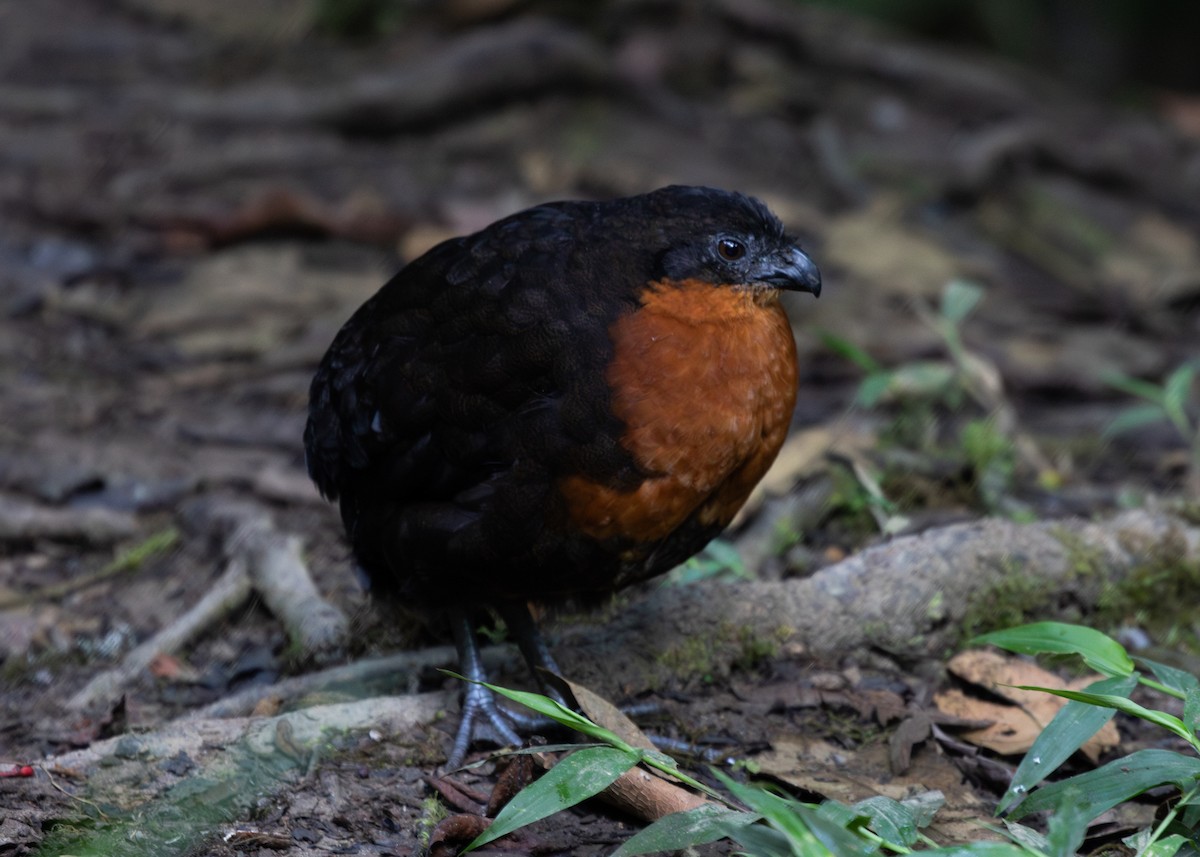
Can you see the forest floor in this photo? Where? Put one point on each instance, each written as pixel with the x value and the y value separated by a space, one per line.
pixel 195 196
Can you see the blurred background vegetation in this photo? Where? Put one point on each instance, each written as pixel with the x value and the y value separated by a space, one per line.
pixel 1113 48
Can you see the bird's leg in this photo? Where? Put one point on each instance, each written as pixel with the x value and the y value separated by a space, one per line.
pixel 529 639
pixel 478 701
pixel 537 655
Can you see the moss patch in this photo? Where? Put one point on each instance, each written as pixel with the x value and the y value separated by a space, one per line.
pixel 1018 596
pixel 730 648
pixel 1159 592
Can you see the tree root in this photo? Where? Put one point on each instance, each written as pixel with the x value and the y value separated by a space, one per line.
pixel 909 596
pixel 914 596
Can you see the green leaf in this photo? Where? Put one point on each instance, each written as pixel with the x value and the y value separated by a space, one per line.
pixel 679 830
pixel 761 841
pixel 983 849
pixel 1099 651
pixel 1191 711
pixel 1026 837
pixel 719 559
pixel 726 553
pixel 1074 724
pixel 1159 718
pixel 834 836
pixel 1166 847
pixel 845 348
pixel 921 379
pixel 1133 418
pixel 583 774
pixel 806 830
pixel 891 820
pixel 959 298
pixel 1174 678
pixel 1068 826
pixel 557 712
pixel 872 389
pixel 1116 782
pixel 1176 391
pixel 1134 387
pixel 778 812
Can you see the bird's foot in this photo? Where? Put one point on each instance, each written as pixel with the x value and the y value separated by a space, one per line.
pixel 482 720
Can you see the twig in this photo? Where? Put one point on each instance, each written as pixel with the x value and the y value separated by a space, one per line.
pixel 22 521
pixel 359 673
pixel 230 590
pixel 259 557
pixel 127 561
pixel 280 576
pixel 277 571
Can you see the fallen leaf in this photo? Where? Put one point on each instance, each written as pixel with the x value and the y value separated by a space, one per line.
pixel 601 712
pixel 1014 727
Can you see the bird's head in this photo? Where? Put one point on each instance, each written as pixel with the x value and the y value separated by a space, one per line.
pixel 726 239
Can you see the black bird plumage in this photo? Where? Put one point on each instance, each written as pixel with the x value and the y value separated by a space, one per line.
pixel 454 403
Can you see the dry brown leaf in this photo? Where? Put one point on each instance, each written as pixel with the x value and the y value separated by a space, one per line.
pixel 837 773
pixel 1000 674
pixel 599 710
pixel 1014 727
pixel 645 794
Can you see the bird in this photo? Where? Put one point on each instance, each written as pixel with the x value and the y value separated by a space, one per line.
pixel 572 400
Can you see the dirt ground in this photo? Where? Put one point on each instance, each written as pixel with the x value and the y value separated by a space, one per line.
pixel 196 195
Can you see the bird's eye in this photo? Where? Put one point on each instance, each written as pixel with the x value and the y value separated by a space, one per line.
pixel 730 250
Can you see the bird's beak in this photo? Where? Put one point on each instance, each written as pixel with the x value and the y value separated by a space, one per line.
pixel 792 270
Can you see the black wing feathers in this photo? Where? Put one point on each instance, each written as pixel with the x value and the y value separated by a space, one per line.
pixel 450 401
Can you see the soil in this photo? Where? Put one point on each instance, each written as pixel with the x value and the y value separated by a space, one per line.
pixel 196 195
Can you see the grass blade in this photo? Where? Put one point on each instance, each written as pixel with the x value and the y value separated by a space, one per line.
pixel 557 712
pixel 802 825
pixel 761 841
pixel 1134 418
pixel 1066 733
pixel 1099 651
pixel 1176 390
pixel 1191 711
pixel 1159 718
pixel 1166 847
pixel 984 849
pixel 1068 826
pixel 891 820
pixel 845 348
pixel 1174 678
pixel 959 298
pixel 576 778
pixel 1116 782
pixel 1134 387
pixel 679 830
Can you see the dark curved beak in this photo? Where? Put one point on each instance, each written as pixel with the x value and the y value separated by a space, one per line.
pixel 792 270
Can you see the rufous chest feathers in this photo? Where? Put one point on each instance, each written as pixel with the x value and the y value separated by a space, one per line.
pixel 704 380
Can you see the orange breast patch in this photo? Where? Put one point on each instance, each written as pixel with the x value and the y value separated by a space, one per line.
pixel 704 379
